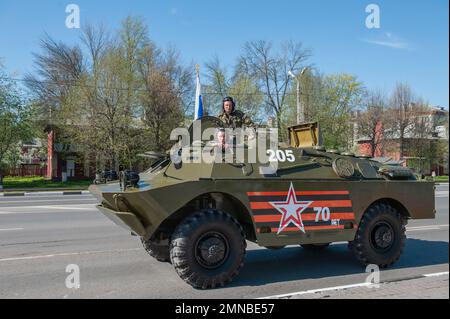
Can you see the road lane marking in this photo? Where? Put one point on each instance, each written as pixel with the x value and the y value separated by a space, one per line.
pixel 74 207
pixel 428 227
pixel 19 210
pixel 47 200
pixel 48 212
pixel 437 274
pixel 364 284
pixel 313 291
pixel 69 254
pixel 11 229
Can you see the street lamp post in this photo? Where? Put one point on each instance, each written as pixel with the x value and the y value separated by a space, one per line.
pixel 300 107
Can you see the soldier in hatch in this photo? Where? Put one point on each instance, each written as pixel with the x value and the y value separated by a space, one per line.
pixel 221 149
pixel 233 118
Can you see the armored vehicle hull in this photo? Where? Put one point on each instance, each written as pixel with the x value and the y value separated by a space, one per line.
pixel 198 216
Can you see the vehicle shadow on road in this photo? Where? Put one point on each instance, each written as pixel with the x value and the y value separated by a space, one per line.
pixel 264 266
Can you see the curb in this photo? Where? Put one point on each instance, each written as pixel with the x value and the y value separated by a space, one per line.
pixel 31 194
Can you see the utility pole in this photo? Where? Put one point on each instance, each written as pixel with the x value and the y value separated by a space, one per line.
pixel 300 106
pixel 300 109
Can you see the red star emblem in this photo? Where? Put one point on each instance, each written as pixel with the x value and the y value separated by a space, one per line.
pixel 291 211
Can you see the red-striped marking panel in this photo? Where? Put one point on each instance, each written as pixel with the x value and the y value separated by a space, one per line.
pixel 301 211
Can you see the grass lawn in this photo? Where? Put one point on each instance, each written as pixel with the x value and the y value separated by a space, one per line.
pixel 40 182
pixel 441 179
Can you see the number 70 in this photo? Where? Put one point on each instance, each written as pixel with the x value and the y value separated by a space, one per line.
pixel 322 213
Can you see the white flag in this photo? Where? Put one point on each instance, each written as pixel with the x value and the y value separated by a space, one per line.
pixel 198 100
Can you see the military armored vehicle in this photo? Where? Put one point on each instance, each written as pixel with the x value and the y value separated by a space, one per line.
pixel 199 216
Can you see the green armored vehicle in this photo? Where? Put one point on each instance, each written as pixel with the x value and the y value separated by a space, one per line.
pixel 199 215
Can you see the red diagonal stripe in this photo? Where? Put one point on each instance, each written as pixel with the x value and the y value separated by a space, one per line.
pixel 305 217
pixel 299 193
pixel 318 203
pixel 295 229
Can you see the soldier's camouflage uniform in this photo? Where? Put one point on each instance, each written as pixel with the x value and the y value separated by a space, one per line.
pixel 236 119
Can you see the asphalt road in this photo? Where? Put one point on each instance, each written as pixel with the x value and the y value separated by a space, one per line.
pixel 40 236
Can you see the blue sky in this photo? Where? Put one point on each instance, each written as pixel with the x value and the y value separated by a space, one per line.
pixel 411 45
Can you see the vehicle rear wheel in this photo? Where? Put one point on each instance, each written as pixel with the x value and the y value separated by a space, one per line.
pixel 381 237
pixel 208 249
pixel 315 247
pixel 159 252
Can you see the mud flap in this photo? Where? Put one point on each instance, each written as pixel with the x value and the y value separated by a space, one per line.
pixel 126 220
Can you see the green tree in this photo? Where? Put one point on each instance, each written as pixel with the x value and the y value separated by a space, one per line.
pixel 244 90
pixel 58 67
pixel 402 110
pixel 112 82
pixel 311 96
pixel 15 121
pixel 249 97
pixel 269 70
pixel 372 121
pixel 422 143
pixel 161 106
pixel 330 100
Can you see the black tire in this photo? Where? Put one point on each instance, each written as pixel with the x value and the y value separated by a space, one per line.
pixel 381 236
pixel 159 252
pixel 315 247
pixel 208 249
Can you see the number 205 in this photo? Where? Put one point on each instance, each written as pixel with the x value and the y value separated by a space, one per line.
pixel 281 156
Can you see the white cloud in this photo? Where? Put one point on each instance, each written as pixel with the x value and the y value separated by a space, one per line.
pixel 389 40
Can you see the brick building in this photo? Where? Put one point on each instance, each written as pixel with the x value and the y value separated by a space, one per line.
pixel 65 159
pixel 437 136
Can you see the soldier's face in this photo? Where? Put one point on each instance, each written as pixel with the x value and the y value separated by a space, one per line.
pixel 228 107
pixel 221 138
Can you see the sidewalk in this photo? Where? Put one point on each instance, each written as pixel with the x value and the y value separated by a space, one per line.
pixel 434 287
pixel 17 193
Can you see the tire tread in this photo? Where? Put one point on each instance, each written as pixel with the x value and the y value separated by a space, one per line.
pixel 178 255
pixel 360 247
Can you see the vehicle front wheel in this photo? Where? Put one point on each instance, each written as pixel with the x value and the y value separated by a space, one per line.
pixel 380 237
pixel 208 249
